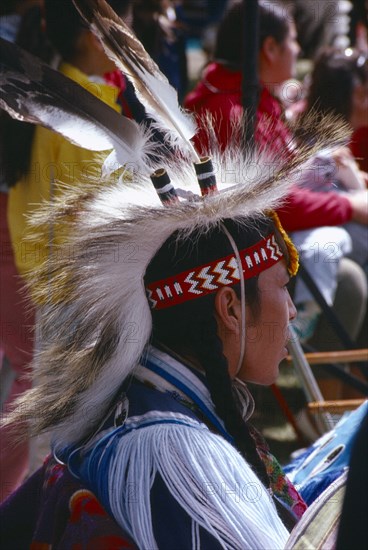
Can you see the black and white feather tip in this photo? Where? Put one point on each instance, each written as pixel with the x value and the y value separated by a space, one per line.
pixel 31 91
pixel 153 89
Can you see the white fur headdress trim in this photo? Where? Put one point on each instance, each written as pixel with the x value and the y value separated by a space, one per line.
pixel 97 310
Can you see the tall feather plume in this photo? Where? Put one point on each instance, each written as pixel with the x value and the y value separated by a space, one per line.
pixel 101 335
pixel 152 87
pixel 115 232
pixel 31 91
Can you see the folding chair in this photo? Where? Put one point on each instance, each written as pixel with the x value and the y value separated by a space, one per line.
pixel 316 403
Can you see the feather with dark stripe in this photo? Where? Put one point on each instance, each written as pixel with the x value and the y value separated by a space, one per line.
pixel 33 92
pixel 151 85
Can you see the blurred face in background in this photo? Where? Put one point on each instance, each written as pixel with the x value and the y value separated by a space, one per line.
pixel 277 60
pixel 286 55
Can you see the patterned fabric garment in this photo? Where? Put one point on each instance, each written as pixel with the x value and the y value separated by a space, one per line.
pixel 279 482
pixel 54 511
pixel 165 443
pixel 153 376
pixel 160 368
pixel 76 505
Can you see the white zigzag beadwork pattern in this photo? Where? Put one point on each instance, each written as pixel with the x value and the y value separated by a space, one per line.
pixel 209 278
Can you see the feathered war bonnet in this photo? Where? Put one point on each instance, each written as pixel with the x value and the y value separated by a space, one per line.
pixel 135 248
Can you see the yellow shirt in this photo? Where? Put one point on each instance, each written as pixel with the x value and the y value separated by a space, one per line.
pixel 53 160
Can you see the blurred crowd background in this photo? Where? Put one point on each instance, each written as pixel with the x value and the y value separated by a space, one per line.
pixel 330 47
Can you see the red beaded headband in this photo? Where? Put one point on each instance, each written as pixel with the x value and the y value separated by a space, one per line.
pixel 208 278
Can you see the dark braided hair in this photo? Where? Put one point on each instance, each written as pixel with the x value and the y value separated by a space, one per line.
pixel 190 329
pixel 210 354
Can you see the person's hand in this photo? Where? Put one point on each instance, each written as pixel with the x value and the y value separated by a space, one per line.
pixel 359 203
pixel 348 172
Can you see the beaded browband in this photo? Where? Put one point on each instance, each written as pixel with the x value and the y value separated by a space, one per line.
pixel 205 279
pixel 210 277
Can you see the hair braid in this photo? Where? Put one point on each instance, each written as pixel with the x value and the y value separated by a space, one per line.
pixel 208 347
pixel 190 329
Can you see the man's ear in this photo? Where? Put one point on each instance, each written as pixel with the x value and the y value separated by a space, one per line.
pixel 228 309
pixel 269 49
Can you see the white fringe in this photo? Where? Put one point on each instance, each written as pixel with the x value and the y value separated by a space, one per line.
pixel 205 475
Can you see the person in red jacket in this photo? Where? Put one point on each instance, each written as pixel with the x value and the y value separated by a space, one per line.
pixel 306 212
pixel 220 92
